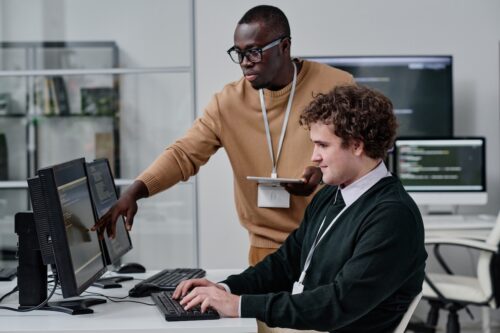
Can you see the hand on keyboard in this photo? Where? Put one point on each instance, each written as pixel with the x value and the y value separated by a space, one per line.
pixel 208 294
pixel 184 287
pixel 173 311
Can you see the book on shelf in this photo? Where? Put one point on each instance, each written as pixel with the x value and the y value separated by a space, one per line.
pixel 51 97
pixel 61 95
pixel 47 105
pixel 4 162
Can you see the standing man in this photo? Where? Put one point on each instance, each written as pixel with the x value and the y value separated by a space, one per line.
pixel 357 259
pixel 255 119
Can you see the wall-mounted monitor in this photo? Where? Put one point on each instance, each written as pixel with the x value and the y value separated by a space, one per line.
pixel 420 87
pixel 442 171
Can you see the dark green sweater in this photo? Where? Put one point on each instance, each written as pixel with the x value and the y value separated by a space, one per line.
pixel 363 274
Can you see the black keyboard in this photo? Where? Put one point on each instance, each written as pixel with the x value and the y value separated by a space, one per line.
pixel 7 274
pixel 173 311
pixel 167 279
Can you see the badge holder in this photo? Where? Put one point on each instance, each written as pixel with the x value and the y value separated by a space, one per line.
pixel 272 196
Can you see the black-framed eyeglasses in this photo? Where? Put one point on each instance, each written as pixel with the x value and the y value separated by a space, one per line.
pixel 254 54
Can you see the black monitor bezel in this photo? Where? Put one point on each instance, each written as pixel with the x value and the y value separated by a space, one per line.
pixel 59 241
pixel 105 240
pixel 461 138
pixel 447 56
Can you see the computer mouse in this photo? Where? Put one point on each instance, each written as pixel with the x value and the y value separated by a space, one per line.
pixel 131 267
pixel 144 289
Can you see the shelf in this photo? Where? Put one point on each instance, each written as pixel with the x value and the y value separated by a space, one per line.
pixel 20 115
pixel 13 184
pixel 106 71
pixel 75 115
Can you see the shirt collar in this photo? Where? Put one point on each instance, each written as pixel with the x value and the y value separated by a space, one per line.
pixel 352 192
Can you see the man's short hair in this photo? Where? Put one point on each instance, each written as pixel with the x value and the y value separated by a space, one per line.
pixel 355 113
pixel 273 17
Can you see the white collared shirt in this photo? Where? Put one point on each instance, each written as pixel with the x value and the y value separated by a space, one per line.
pixel 353 191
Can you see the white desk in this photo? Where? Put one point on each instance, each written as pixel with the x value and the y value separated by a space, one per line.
pixel 472 226
pixel 115 317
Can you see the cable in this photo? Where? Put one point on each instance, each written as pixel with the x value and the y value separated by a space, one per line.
pixel 9 293
pixel 115 299
pixel 56 281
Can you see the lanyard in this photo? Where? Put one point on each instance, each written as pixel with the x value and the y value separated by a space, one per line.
pixel 375 178
pixel 274 173
pixel 316 240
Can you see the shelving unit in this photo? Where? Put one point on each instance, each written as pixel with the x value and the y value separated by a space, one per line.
pixel 36 137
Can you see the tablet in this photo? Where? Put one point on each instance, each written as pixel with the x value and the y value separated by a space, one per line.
pixel 269 180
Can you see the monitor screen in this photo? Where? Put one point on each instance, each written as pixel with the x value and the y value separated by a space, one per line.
pixel 104 195
pixel 442 171
pixel 420 87
pixel 64 215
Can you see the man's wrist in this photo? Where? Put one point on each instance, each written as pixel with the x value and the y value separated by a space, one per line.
pixel 224 286
pixel 239 306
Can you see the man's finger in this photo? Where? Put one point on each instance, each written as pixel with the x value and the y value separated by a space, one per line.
pixel 205 304
pixel 129 220
pixel 194 302
pixel 101 222
pixel 187 298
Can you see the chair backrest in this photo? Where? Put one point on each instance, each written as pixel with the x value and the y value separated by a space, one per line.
pixel 406 317
pixel 494 236
pixel 486 270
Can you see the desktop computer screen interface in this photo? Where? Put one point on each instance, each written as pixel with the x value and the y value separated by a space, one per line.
pixel 104 195
pixel 453 168
pixel 64 215
pixel 420 88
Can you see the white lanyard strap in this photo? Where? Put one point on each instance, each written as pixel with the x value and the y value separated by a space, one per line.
pixel 316 242
pixel 274 173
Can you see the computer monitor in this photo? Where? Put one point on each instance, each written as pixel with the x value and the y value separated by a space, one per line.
pixel 420 88
pixel 63 216
pixel 104 195
pixel 442 171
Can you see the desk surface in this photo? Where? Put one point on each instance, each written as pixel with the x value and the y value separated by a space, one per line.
pixel 471 226
pixel 115 317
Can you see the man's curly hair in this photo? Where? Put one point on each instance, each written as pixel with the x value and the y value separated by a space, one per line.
pixel 355 113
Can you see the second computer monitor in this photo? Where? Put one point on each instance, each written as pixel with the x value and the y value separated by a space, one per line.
pixel 420 88
pixel 64 217
pixel 442 171
pixel 104 196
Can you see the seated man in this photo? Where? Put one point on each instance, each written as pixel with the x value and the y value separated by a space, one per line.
pixel 358 258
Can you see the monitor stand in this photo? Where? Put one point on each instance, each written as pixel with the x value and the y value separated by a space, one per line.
pixel 72 307
pixel 438 209
pixel 111 282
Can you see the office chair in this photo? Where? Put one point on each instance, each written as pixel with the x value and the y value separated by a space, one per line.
pixel 452 292
pixel 406 317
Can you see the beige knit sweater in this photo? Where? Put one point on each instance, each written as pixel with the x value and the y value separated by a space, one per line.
pixel 233 120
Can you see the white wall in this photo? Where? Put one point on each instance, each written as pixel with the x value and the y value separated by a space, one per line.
pixel 468 30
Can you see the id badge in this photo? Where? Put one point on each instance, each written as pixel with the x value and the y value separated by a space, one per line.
pixel 297 288
pixel 272 196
